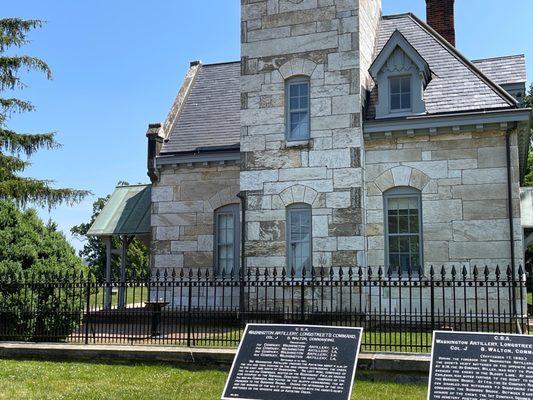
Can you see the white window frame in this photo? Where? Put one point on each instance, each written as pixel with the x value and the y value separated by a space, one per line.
pixel 296 208
pixel 233 211
pixel 403 193
pixel 298 80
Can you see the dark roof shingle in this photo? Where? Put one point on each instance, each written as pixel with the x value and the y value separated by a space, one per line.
pixel 455 86
pixel 504 70
pixel 210 116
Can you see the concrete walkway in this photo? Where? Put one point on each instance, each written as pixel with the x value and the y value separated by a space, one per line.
pixel 403 367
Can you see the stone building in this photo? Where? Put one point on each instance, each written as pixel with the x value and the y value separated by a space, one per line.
pixel 342 137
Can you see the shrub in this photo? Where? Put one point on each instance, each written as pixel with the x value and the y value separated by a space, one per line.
pixel 40 295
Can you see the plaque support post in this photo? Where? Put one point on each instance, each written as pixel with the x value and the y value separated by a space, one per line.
pixel 431 274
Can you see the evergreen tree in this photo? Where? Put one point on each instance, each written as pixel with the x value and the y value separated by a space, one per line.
pixel 13 145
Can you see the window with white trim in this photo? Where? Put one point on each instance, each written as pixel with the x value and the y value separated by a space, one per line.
pixel 227 239
pixel 297 94
pixel 400 93
pixel 403 230
pixel 299 251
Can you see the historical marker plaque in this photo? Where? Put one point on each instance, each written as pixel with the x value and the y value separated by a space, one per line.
pixel 474 366
pixel 294 362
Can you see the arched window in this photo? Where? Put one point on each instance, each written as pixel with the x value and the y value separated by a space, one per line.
pixel 227 239
pixel 403 230
pixel 299 252
pixel 297 94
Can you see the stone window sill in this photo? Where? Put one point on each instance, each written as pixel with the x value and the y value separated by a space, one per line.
pixel 298 144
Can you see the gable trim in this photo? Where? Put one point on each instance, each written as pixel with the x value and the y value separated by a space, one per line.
pixel 180 99
pixel 459 56
pixel 399 40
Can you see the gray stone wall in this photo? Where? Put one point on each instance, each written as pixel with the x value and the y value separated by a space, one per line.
pixel 183 204
pixel 319 39
pixel 463 180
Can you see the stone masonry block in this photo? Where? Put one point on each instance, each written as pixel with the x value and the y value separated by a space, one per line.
pixel 338 199
pixel 162 193
pixel 442 210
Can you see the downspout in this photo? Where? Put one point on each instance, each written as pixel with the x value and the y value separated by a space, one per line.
pixel 511 215
pixel 242 197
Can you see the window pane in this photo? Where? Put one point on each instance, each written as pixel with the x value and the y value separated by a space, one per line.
pixel 406 100
pixel 413 224
pixel 303 102
pixel 395 102
pixel 394 244
pixel 414 248
pixel 294 91
pixel 394 262
pixel 415 262
pixel 403 203
pixel 404 224
pixel 404 244
pixel 393 224
pixel 304 89
pixel 294 103
pixel 404 261
pixel 406 84
pixel 395 85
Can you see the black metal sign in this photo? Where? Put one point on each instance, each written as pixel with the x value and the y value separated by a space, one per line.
pixel 473 366
pixel 294 362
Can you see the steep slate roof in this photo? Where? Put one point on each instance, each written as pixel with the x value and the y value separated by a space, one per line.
pixel 210 116
pixel 456 86
pixel 504 70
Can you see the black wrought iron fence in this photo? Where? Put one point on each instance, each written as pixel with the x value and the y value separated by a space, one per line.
pixel 196 308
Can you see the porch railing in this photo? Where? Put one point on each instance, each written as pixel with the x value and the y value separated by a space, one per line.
pixel 197 308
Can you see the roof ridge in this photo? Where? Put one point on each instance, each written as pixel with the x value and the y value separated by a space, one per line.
pixel 453 50
pixel 222 63
pixel 394 16
pixel 522 55
pixel 136 185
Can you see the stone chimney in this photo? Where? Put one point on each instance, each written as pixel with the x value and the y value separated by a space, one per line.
pixel 440 16
pixel 155 141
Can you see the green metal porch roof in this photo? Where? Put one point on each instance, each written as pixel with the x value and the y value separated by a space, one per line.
pixel 127 212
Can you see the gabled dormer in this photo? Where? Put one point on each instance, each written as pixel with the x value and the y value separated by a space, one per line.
pixel 401 76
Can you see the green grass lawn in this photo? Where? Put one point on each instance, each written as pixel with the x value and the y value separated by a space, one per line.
pixel 132 295
pixel 413 342
pixel 50 380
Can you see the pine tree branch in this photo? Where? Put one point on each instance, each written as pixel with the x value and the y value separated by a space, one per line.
pixel 10 67
pixel 12 105
pixel 39 192
pixel 26 143
pixel 13 31
pixel 10 165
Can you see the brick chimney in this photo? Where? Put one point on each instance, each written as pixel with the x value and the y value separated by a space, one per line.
pixel 440 16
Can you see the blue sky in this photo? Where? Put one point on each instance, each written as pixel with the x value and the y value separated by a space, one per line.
pixel 118 65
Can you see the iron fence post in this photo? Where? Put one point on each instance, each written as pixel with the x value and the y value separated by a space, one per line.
pixel 189 316
pixel 88 310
